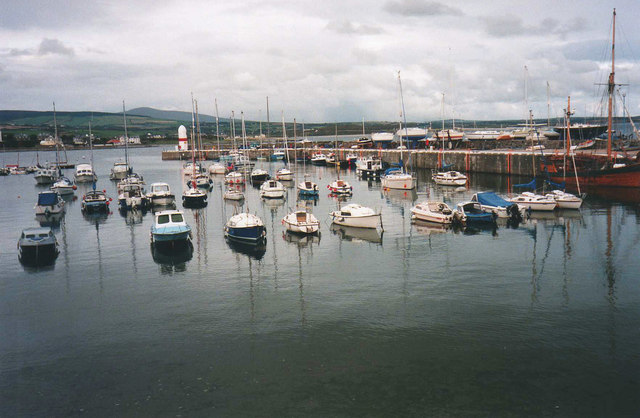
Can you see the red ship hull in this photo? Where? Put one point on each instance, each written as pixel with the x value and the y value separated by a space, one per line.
pixel 625 176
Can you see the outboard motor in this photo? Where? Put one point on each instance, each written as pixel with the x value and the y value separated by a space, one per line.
pixel 514 213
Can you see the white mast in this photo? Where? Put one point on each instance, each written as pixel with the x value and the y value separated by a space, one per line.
pixel 217 127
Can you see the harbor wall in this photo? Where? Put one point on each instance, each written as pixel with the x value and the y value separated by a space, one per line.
pixel 495 161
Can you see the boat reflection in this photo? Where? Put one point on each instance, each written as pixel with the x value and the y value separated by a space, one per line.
pixel 430 228
pixel 301 240
pixel 96 217
pixel 627 195
pixel 399 195
pixel 255 251
pixel 172 258
pixel 132 217
pixel 348 233
pixel 52 221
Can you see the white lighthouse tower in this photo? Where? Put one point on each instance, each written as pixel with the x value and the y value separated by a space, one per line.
pixel 183 144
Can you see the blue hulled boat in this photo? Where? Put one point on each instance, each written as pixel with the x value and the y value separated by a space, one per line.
pixel 170 228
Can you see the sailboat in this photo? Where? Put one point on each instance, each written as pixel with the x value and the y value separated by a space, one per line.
pixel 84 172
pixel 284 173
pixel 234 192
pixel 300 221
pixel 339 187
pixel 193 197
pixel 592 170
pixel 49 173
pixel 397 177
pixel 218 167
pixel 245 227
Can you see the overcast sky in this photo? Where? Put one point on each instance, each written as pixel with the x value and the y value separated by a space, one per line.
pixel 318 61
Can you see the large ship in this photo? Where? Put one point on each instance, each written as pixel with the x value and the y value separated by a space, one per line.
pixel 590 169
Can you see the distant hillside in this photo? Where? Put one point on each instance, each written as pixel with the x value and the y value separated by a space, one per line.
pixel 168 114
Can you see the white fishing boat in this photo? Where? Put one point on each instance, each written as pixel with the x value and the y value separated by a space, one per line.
pixel 284 174
pixel 356 216
pixel 272 189
pixel 438 212
pixel 49 203
pixel 233 193
pixel 132 197
pixel 340 187
pixel 369 166
pixel 132 178
pixel 565 200
pixel 449 178
pixel 170 229
pixel 160 195
pixel 46 175
pixel 37 246
pixel 531 201
pixel 64 186
pixel 301 222
pixel 85 174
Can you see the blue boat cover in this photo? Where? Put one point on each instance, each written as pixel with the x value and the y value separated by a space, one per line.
pixel 531 185
pixel 560 186
pixel 47 198
pixel 492 199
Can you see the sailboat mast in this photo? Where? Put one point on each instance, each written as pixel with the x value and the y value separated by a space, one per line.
pixel 55 138
pixel 217 126
pixel 284 138
pixel 199 133
pixel 126 138
pixel 611 87
pixel 548 106
pixel 404 116
pixel 268 121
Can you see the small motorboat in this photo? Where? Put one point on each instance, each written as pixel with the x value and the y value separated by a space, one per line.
pixel 473 213
pixel 217 168
pixel 233 193
pixel 449 178
pixel 132 197
pixel 170 228
pixel 234 177
pixel 340 187
pixel 95 201
pixel 203 181
pixel 37 246
pixel 351 159
pixel 49 203
pixel 64 186
pixel 565 200
pixel 492 203
pixel 272 189
pixel 160 195
pixel 357 216
pixel 194 198
pixel 259 175
pixel 132 178
pixel 119 171
pixel 301 222
pixel 369 167
pixel 245 227
pixel 278 155
pixel 308 188
pixel 46 175
pixel 396 178
pixel 532 201
pixel 319 159
pixel 284 174
pixel 85 174
pixel 438 212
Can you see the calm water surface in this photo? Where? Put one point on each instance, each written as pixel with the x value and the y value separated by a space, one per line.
pixel 538 320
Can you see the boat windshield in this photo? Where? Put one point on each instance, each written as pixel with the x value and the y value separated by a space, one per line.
pixel 163 219
pixel 177 217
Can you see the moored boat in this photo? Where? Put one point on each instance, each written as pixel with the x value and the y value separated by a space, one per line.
pixel 340 187
pixel 565 200
pixel 85 174
pixel 49 203
pixel 272 189
pixel 245 227
pixel 449 178
pixel 160 195
pixel 63 186
pixel 37 246
pixel 492 203
pixel 473 213
pixel 438 212
pixel 95 201
pixel 170 228
pixel 532 201
pixel 357 216
pixel 301 222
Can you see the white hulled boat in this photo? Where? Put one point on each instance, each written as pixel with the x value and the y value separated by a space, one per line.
pixel 438 212
pixel 301 222
pixel 449 178
pixel 49 203
pixel 160 195
pixel 272 189
pixel 63 186
pixel 85 174
pixel 170 228
pixel 357 216
pixel 565 200
pixel 531 201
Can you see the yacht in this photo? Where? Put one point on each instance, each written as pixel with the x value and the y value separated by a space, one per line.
pixel 396 178
pixel 565 200
pixel 438 212
pixel 340 187
pixel 64 186
pixel 37 246
pixel 160 195
pixel 46 175
pixel 119 171
pixel 284 174
pixel 259 175
pixel 245 227
pixel 272 189
pixel 194 198
pixel 449 178
pixel 85 174
pixel 301 222
pixel 532 201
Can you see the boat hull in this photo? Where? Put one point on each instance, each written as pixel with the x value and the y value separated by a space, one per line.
pixel 194 202
pixel 627 176
pixel 252 234
pixel 38 254
pixel 405 183
pixel 368 221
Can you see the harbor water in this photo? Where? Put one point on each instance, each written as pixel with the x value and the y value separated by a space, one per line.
pixel 536 319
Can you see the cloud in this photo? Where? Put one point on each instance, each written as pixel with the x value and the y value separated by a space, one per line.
pixel 55 47
pixel 510 25
pixel 350 28
pixel 420 8
pixel 14 52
